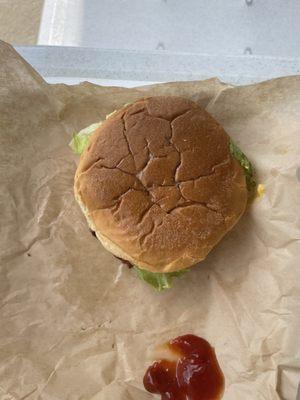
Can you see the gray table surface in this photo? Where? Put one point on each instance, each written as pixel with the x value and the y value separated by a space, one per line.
pixel 130 67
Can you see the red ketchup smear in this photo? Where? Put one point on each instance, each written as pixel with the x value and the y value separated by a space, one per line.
pixel 196 374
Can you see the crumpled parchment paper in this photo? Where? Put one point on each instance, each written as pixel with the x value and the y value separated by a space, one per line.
pixel 74 323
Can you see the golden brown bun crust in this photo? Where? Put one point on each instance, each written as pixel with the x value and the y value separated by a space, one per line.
pixel 158 184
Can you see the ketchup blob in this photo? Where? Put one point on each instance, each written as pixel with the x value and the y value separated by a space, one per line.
pixel 196 375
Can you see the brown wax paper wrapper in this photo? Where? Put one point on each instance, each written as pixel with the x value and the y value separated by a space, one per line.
pixel 74 323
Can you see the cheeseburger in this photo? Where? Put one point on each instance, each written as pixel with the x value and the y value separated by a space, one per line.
pixel 160 183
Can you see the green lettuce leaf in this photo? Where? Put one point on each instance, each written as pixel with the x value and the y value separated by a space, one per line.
pixel 158 280
pixel 245 164
pixel 80 140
